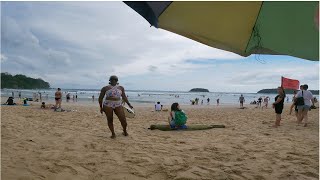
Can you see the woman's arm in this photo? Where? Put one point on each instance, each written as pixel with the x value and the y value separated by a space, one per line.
pixel 291 107
pixel 102 93
pixel 124 97
pixel 279 99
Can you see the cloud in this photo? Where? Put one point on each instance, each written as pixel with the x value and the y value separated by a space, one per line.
pixel 3 58
pixel 80 44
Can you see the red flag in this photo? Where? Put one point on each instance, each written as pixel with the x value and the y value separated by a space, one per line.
pixel 287 83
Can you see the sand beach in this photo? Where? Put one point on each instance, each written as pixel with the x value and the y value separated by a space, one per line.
pixel 43 144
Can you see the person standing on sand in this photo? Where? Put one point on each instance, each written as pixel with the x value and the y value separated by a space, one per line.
pixel 218 101
pixel 241 100
pixel 259 102
pixel 40 96
pixel 92 98
pixel 208 101
pixel 19 95
pixel 278 105
pixel 113 103
pixel 58 98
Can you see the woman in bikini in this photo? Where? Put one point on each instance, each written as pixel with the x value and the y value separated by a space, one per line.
pixel 57 97
pixel 113 103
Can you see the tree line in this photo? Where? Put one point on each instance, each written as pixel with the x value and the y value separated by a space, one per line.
pixel 287 91
pixel 20 81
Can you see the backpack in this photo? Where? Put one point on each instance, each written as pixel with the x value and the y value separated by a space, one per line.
pixel 180 118
pixel 299 101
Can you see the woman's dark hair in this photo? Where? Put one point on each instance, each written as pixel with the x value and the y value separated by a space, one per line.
pixel 174 107
pixel 113 77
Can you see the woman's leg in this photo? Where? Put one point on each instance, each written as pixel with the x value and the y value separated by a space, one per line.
pixel 109 114
pixel 59 102
pixel 56 106
pixel 299 115
pixel 278 119
pixel 305 116
pixel 122 118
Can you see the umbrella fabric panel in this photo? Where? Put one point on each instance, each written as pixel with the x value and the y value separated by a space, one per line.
pixel 158 6
pixel 286 28
pixel 224 25
pixel 150 10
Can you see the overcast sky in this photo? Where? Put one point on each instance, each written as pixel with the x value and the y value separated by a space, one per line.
pixel 80 44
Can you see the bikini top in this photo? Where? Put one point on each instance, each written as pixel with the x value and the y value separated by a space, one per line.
pixel 114 92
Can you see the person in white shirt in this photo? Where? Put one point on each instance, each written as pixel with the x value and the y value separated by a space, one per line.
pixel 303 109
pixel 158 106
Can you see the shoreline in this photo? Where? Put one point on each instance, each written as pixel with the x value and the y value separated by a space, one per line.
pixel 89 103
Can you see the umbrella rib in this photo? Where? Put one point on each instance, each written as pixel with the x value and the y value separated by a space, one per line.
pixel 245 50
pixel 164 10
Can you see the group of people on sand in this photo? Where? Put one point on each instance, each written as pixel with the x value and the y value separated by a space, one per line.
pixel 303 101
pixel 264 100
pixel 196 101
pixel 115 98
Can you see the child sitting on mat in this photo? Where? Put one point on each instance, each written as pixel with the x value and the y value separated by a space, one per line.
pixel 178 117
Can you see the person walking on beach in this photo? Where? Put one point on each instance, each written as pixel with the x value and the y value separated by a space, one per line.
pixel 208 101
pixel 19 95
pixel 92 98
pixel 294 104
pixel 218 101
pixel 303 109
pixel 58 98
pixel 266 101
pixel 241 100
pixel 278 105
pixel 113 103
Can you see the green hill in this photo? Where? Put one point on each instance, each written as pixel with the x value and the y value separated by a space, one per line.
pixel 20 81
pixel 288 91
pixel 199 90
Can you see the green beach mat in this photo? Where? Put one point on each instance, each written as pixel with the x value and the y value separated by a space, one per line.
pixel 192 127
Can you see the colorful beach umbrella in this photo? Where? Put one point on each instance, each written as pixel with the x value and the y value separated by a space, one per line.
pixel 245 28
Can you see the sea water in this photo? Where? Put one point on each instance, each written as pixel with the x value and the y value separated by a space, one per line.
pixel 145 96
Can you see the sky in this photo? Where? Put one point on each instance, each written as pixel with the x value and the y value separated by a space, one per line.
pixel 80 44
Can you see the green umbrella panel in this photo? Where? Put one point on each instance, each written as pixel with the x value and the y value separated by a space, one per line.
pixel 245 28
